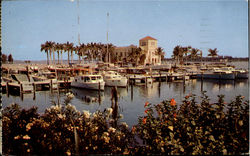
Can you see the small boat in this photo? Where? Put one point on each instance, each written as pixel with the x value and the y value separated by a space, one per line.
pixel 94 82
pixel 113 78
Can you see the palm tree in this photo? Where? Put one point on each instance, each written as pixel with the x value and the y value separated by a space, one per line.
pixel 61 47
pixel 77 51
pixel 194 53
pixel 72 49
pixel 111 50
pixel 178 53
pixel 68 48
pixel 50 46
pixel 57 48
pixel 160 52
pixel 82 50
pixel 213 52
pixel 44 47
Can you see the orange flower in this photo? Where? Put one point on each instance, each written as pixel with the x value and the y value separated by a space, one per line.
pixel 187 96
pixel 133 129
pixel 146 104
pixel 159 112
pixel 173 102
pixel 174 115
pixel 144 120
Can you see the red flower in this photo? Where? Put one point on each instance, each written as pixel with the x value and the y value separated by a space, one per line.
pixel 172 102
pixel 146 111
pixel 144 120
pixel 146 104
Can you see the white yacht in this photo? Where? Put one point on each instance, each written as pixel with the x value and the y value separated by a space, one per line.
pixel 217 73
pixel 113 78
pixel 239 73
pixel 94 82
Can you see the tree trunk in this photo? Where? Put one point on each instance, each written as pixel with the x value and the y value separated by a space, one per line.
pixel 50 57
pixel 47 57
pixel 68 57
pixel 71 56
pixel 53 56
pixel 61 58
pixel 82 58
pixel 58 57
pixel 79 58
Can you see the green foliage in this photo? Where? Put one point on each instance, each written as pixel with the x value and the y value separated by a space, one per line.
pixel 4 58
pixel 193 129
pixel 63 130
pixel 10 58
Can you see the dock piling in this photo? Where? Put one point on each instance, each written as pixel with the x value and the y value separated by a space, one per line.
pixel 7 88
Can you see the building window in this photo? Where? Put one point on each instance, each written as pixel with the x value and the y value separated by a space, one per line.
pixel 143 43
pixel 152 43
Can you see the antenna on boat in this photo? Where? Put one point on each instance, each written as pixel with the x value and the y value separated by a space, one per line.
pixel 108 37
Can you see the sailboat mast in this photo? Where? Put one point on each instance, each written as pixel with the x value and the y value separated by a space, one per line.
pixel 108 37
pixel 78 21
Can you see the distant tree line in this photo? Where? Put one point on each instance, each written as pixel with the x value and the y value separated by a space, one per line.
pixel 7 59
pixel 92 52
pixel 183 54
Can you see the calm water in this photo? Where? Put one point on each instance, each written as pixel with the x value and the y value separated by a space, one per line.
pixel 132 99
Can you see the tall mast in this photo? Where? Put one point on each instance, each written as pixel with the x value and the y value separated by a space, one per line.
pixel 108 37
pixel 78 21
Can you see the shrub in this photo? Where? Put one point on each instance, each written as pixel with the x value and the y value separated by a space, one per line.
pixel 197 129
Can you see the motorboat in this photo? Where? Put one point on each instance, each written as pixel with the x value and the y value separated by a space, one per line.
pixel 217 73
pixel 239 73
pixel 113 78
pixel 94 82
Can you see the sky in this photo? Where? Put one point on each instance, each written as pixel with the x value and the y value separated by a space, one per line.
pixel 203 24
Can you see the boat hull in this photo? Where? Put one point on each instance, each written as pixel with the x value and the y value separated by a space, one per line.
pixel 89 85
pixel 116 82
pixel 224 76
pixel 242 75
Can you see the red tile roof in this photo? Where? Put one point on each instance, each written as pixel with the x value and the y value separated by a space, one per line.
pixel 148 38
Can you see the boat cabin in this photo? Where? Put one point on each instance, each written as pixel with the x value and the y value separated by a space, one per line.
pixel 88 78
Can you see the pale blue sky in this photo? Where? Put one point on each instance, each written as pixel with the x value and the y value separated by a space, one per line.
pixel 220 24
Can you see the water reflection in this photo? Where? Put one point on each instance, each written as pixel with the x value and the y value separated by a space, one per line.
pixel 131 99
pixel 88 96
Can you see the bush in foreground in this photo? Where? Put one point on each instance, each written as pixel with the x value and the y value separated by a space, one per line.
pixel 197 129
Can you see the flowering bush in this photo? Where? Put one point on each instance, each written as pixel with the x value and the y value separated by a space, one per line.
pixel 63 130
pixel 196 129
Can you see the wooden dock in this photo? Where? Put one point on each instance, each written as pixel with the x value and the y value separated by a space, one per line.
pixel 29 87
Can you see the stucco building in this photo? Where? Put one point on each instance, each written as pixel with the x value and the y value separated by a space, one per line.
pixel 149 45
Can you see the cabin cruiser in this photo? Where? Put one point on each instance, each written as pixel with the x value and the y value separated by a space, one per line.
pixel 113 78
pixel 217 73
pixel 94 82
pixel 239 73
